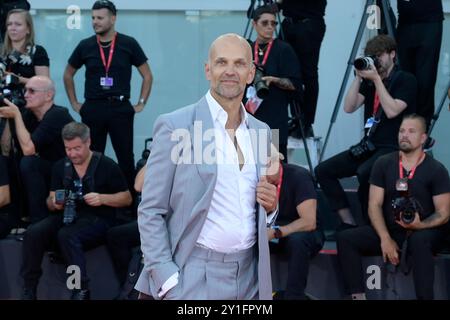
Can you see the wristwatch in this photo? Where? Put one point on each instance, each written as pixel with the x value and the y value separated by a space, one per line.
pixel 142 101
pixel 277 232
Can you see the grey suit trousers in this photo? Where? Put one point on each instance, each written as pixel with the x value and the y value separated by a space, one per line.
pixel 211 275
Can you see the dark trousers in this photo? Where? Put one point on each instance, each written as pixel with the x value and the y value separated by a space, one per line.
pixel 121 240
pixel 419 46
pixel 306 36
pixel 49 234
pixel 299 247
pixel 35 173
pixel 352 244
pixel 343 165
pixel 116 118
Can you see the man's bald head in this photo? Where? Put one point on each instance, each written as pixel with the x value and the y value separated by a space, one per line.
pixel 230 39
pixel 42 83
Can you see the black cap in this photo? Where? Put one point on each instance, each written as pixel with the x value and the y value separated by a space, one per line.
pixel 105 4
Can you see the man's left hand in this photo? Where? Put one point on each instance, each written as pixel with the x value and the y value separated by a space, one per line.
pixel 266 194
pixel 10 110
pixel 416 224
pixel 93 199
pixel 270 234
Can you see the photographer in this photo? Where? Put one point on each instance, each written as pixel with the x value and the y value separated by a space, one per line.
pixel 38 132
pixel 387 94
pixel 20 56
pixel 5 199
pixel 297 232
pixel 103 188
pixel 278 75
pixel 418 227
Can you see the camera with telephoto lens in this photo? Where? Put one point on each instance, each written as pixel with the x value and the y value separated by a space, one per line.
pixel 405 208
pixel 262 90
pixel 364 63
pixel 70 198
pixel 10 88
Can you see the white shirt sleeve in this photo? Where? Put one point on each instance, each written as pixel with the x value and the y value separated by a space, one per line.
pixel 169 284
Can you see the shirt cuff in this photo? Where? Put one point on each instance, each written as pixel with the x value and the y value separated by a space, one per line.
pixel 272 217
pixel 169 284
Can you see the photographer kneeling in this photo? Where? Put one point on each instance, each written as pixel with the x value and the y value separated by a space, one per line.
pixel 387 94
pixel 409 208
pixel 86 188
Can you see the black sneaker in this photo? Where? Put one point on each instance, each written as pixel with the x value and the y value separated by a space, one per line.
pixel 28 293
pixel 82 294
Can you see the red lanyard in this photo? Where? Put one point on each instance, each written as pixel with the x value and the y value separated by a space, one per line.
pixel 280 182
pixel 107 64
pixel 266 55
pixel 413 170
pixel 376 104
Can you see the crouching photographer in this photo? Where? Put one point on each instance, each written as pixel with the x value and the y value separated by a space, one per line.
pixel 86 188
pixel 387 94
pixel 409 208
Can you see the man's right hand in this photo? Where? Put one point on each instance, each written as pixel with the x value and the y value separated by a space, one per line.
pixel 389 249
pixel 76 106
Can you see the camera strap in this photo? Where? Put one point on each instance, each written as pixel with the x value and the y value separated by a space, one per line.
pixel 88 177
pixel 377 111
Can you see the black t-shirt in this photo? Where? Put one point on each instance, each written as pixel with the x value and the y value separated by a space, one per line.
pixel 404 87
pixel 4 180
pixel 416 11
pixel 46 134
pixel 283 63
pixel 430 179
pixel 296 187
pixel 25 66
pixel 108 179
pixel 127 53
pixel 301 9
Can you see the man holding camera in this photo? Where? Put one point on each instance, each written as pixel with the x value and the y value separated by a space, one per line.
pixel 387 94
pixel 38 132
pixel 86 188
pixel 409 207
pixel 277 76
pixel 109 57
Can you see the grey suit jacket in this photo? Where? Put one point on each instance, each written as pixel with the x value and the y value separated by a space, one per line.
pixel 176 196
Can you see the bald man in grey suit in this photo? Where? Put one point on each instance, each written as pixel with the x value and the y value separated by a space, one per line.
pixel 205 199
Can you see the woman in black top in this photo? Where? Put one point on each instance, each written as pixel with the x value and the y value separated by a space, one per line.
pixel 20 54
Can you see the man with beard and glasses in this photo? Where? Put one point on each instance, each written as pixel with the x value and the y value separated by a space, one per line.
pixel 205 199
pixel 411 176
pixel 109 57
pixel 387 94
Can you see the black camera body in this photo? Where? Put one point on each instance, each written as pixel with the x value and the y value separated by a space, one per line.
pixel 10 88
pixel 70 198
pixel 362 150
pixel 262 90
pixel 405 208
pixel 364 63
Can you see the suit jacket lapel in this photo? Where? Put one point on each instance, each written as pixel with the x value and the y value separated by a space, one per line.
pixel 203 121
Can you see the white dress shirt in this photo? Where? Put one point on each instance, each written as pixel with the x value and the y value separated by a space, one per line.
pixel 230 225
